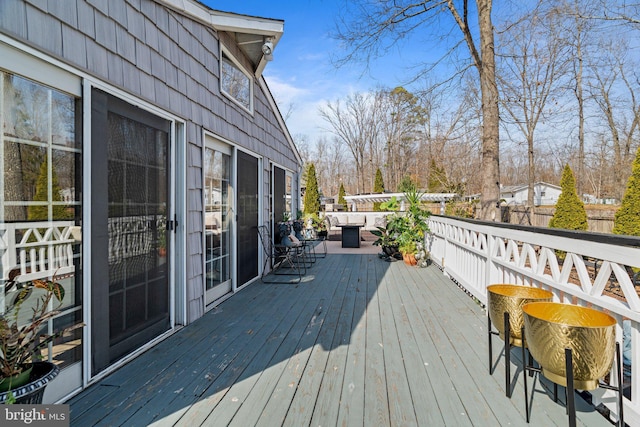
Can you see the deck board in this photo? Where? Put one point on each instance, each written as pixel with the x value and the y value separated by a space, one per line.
pixel 351 408
pixel 359 341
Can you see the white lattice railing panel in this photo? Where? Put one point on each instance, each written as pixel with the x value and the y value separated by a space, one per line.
pixel 580 268
pixel 37 249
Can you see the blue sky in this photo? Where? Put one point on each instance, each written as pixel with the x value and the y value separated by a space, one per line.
pixel 301 76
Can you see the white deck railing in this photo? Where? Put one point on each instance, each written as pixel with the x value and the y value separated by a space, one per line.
pixel 37 249
pixel 476 254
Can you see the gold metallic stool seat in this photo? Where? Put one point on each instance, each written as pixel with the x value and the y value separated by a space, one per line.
pixel 504 308
pixel 575 347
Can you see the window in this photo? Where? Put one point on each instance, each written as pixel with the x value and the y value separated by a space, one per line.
pixel 235 83
pixel 288 193
pixel 40 209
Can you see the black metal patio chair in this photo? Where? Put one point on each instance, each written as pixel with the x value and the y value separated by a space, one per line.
pixel 280 257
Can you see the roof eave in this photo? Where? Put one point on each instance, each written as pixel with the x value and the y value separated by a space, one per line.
pixel 262 28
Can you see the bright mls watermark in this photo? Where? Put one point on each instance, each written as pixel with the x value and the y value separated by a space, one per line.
pixel 34 415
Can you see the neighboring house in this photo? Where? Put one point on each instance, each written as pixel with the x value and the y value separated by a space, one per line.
pixel 163 150
pixel 543 194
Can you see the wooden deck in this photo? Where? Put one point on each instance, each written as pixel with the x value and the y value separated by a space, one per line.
pixel 360 342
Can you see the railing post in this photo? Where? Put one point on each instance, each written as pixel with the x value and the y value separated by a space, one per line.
pixel 489 262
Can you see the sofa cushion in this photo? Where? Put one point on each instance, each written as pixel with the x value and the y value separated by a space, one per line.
pixel 380 221
pixel 342 218
pixel 357 219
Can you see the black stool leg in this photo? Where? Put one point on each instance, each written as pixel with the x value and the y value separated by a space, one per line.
pixel 571 404
pixel 507 354
pixel 524 375
pixel 620 387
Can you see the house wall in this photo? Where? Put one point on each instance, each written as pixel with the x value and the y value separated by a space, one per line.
pixel 169 60
pixel 519 196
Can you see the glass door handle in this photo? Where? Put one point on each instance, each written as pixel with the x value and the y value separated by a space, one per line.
pixel 172 224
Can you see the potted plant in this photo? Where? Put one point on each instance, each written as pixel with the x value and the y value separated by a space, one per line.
pixel 387 236
pixel 408 249
pixel 23 376
pixel 319 225
pixel 162 243
pixel 409 229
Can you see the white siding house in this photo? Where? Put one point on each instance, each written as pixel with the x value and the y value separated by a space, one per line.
pixel 544 194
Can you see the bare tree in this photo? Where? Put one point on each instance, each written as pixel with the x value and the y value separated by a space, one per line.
pixel 578 35
pixel 449 137
pixel 624 12
pixel 533 61
pixel 374 27
pixel 400 120
pixel 355 124
pixel 613 76
pixel 331 168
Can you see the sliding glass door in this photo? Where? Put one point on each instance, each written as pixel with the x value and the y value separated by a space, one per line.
pixel 218 221
pixel 132 219
pixel 247 217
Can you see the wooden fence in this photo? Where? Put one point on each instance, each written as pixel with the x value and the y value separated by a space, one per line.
pixel 600 220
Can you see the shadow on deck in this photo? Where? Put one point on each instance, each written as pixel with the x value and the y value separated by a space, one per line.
pixel 360 342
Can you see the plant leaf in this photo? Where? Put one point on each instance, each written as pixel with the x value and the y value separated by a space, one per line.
pixel 58 290
pixel 22 295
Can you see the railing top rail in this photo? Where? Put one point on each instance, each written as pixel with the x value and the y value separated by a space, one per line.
pixel 611 239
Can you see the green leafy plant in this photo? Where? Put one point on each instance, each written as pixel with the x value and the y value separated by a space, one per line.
pixel 406 230
pixel 22 337
pixel 392 205
pixel 319 224
pixel 388 234
pixel 407 245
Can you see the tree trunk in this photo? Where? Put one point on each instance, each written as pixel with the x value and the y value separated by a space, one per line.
pixel 531 178
pixel 580 97
pixel 489 209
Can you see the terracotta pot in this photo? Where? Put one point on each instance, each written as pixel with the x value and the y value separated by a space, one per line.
pixel 409 259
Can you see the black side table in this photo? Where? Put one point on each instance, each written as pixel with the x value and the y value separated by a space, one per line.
pixel 351 235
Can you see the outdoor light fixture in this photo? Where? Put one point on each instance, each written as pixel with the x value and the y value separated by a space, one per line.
pixel 267 49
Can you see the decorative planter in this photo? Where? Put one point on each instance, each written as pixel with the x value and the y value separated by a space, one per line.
pixel 32 392
pixel 550 328
pixel 508 298
pixel 390 250
pixel 17 380
pixel 409 259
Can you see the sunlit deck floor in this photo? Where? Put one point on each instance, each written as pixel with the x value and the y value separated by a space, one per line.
pixel 360 342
